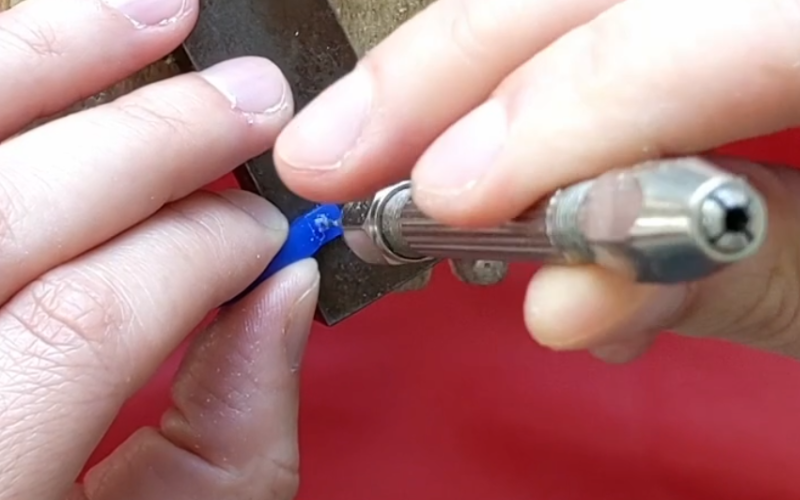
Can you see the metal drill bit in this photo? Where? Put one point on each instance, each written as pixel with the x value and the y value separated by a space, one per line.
pixel 664 221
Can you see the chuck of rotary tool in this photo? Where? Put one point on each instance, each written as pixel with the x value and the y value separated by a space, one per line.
pixel 663 221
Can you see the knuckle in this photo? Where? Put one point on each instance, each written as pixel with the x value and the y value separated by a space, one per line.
pixel 599 49
pixel 769 317
pixel 11 217
pixel 761 310
pixel 601 62
pixel 30 38
pixel 149 117
pixel 71 312
pixel 468 37
pixel 199 221
pixel 774 315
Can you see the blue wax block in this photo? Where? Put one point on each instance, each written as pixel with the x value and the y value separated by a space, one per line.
pixel 307 235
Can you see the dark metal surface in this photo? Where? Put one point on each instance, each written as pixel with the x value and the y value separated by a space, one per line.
pixel 304 38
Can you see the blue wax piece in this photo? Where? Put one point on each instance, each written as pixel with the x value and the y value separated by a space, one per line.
pixel 307 235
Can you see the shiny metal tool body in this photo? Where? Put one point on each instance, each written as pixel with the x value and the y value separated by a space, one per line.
pixel 664 221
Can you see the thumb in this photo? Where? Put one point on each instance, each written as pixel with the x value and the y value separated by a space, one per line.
pixel 755 302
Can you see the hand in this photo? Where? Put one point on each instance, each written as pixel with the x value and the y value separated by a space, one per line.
pixel 109 260
pixel 494 104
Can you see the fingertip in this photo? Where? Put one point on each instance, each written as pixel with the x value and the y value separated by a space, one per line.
pixel 302 275
pixel 360 177
pixel 448 179
pixel 300 316
pixel 256 87
pixel 561 306
pixel 319 186
pixel 166 16
pixel 328 130
pixel 569 308
pixel 260 209
pixel 487 208
pixel 323 145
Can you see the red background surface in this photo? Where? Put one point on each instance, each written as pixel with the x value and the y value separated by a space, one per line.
pixel 442 395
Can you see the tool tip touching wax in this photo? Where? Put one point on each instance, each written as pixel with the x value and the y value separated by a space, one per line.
pixel 307 235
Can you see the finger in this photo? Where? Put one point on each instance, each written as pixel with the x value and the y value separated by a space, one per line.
pixel 585 307
pixel 76 182
pixel 54 53
pixel 78 341
pixel 368 129
pixel 645 79
pixel 232 430
pixel 755 302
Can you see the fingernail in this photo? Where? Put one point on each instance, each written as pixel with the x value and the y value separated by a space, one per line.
pixel 251 84
pixel 464 154
pixel 264 212
pixel 301 315
pixel 146 13
pixel 325 132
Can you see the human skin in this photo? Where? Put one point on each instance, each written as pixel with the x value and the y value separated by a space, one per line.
pixel 111 256
pixel 487 106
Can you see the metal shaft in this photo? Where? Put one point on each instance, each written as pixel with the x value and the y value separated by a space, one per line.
pixel 412 234
pixel 659 222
